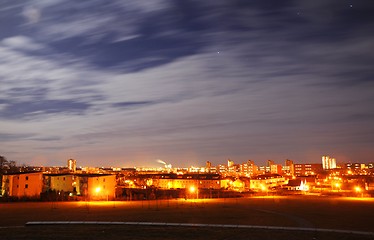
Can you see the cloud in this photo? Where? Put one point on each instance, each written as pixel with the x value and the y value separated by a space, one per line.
pixel 46 139
pixel 31 14
pixel 5 137
pixel 278 87
pixel 41 108
pixel 120 32
pixel 22 43
pixel 131 104
pixel 93 20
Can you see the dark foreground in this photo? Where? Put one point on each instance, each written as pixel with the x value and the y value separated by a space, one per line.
pixel 303 212
pixel 154 232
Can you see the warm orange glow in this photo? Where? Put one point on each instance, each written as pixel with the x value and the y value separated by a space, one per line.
pixel 337 185
pixel 357 189
pixel 192 189
pixel 98 189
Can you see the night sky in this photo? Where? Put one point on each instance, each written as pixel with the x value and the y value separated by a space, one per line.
pixel 124 83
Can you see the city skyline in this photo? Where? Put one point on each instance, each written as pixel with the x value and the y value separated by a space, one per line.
pixel 126 83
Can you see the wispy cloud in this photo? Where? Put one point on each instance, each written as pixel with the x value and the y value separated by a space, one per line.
pixel 186 81
pixel 22 43
pixel 5 137
pixel 41 108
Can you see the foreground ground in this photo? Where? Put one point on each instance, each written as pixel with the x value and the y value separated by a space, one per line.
pixel 150 232
pixel 305 212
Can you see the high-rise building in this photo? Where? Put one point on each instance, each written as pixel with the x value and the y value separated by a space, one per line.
pixel 208 166
pixel 248 169
pixel 289 168
pixel 273 168
pixel 276 169
pixel 328 162
pixel 230 163
pixel 270 162
pixel 72 165
pixel 307 169
pixel 231 166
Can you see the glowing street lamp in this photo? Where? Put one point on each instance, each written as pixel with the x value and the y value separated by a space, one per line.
pixel 358 190
pixel 194 190
pixel 337 186
pixel 97 190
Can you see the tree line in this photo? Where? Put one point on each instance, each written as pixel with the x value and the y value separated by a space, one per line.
pixel 7 166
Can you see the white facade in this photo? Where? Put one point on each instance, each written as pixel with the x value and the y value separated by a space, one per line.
pixel 328 162
pixel 72 165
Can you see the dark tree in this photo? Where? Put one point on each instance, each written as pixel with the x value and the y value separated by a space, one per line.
pixel 7 166
pixel 3 163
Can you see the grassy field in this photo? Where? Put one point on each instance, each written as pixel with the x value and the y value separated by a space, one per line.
pixel 310 212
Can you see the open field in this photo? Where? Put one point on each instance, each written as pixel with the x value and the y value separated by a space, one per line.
pixel 309 212
pixel 154 232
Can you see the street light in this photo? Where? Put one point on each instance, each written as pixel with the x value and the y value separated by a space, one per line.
pixel 337 185
pixel 358 190
pixel 194 190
